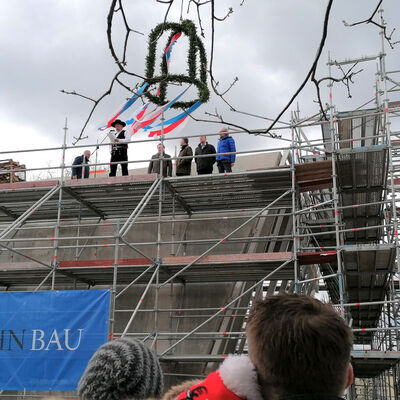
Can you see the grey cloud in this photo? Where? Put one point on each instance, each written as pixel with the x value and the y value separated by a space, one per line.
pixel 48 45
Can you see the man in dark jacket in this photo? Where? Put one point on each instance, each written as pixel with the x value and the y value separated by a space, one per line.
pixel 154 165
pixel 204 164
pixel 81 163
pixel 184 165
pixel 226 144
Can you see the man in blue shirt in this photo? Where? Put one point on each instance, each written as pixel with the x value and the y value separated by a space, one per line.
pixel 226 144
pixel 81 164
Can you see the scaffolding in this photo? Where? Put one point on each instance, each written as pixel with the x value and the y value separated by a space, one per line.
pixel 322 220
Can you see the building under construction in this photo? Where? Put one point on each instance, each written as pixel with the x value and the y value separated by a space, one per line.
pixel 185 257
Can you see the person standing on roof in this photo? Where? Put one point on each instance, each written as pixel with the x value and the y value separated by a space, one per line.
pixel 119 149
pixel 155 163
pixel 184 165
pixel 226 144
pixel 204 164
pixel 81 164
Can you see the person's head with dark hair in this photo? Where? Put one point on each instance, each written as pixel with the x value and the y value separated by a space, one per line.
pixel 184 141
pixel 299 346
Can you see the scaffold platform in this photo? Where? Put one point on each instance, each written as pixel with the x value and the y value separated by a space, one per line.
pixel 367 269
pixel 116 197
pixel 215 268
pixel 362 176
pixel 369 364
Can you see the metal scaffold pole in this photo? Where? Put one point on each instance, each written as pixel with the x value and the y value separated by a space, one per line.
pixel 139 303
pixel 159 236
pixel 114 282
pixel 59 207
pixel 335 195
pixel 296 238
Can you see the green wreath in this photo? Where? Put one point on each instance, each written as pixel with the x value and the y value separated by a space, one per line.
pixel 195 45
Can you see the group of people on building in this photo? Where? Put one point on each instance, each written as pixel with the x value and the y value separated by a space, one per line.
pixel 205 156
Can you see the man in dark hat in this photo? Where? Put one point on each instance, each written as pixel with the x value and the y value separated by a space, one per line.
pixel 119 149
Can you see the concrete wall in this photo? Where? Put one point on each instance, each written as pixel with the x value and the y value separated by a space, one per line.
pixel 176 296
pixel 215 229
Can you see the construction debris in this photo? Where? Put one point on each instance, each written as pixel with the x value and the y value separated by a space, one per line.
pixel 15 174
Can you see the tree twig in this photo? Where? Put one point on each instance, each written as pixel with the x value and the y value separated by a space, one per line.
pixel 311 73
pixel 382 26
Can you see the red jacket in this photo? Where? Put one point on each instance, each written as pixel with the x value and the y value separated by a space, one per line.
pixel 236 379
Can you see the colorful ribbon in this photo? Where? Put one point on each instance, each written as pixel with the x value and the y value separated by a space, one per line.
pixel 127 105
pixel 143 118
pixel 172 123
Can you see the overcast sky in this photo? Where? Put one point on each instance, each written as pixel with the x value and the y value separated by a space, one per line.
pixel 48 45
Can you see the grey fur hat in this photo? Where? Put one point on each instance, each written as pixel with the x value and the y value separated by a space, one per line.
pixel 119 369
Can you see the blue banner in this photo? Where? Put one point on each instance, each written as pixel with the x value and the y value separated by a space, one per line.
pixel 47 338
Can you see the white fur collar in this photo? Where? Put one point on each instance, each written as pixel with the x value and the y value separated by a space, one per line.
pixel 239 376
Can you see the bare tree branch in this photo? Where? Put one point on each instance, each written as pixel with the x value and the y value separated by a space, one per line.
pixel 129 30
pixel 220 120
pixel 230 11
pixel 117 7
pixel 346 79
pixel 121 63
pixel 95 104
pixel 368 20
pixel 382 26
pixel 311 73
pixel 74 93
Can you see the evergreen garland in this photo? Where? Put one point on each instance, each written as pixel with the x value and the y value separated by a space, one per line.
pixel 195 45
